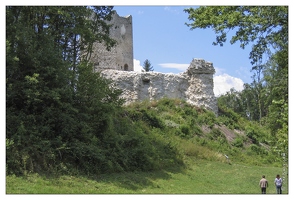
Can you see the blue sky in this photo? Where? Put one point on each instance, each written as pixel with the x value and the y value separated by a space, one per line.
pixel 161 36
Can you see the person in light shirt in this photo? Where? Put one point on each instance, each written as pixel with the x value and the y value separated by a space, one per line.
pixel 278 183
pixel 263 184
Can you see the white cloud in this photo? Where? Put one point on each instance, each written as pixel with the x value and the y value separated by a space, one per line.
pixel 169 9
pixel 137 66
pixel 219 71
pixel 224 82
pixel 181 67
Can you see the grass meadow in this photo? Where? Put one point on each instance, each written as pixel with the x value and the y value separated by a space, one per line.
pixel 198 177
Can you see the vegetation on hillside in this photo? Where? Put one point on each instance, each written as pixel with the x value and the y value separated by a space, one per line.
pixel 56 108
pixel 61 118
pixel 159 134
pixel 197 132
pixel 265 28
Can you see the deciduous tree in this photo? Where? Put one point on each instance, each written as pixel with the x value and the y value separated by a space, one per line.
pixel 266 29
pixel 46 112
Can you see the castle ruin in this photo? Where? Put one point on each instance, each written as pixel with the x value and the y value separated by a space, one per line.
pixel 195 85
pixel 120 57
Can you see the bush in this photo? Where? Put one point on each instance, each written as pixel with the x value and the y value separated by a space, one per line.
pixel 251 133
pixel 207 118
pixel 258 150
pixel 238 142
pixel 185 129
pixel 216 134
pixel 196 130
pixel 148 116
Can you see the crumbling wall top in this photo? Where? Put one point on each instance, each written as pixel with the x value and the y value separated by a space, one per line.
pixel 200 66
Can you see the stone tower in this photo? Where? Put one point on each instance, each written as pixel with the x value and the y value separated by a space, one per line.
pixel 121 55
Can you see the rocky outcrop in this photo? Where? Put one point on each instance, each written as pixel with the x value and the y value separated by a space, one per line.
pixel 195 85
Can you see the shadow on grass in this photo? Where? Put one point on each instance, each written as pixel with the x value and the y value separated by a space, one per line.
pixel 138 180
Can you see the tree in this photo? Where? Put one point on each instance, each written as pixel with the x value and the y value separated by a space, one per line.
pixel 46 115
pixel 147 66
pixel 266 28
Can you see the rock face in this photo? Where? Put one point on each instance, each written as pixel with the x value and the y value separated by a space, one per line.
pixel 195 85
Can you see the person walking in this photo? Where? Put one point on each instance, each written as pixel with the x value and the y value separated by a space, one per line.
pixel 263 184
pixel 278 183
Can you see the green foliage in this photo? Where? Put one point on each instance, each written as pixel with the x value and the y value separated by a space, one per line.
pixel 251 133
pixel 183 124
pixel 266 29
pixel 185 129
pixel 166 103
pixel 257 134
pixel 228 117
pixel 139 138
pixel 207 118
pixel 147 66
pixel 252 24
pixel 61 118
pixel 238 142
pixel 215 134
pixel 257 149
pixel 48 120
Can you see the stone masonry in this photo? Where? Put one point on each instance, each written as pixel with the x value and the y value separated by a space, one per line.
pixel 120 57
pixel 195 85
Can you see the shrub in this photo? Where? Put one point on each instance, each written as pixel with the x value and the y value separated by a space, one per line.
pixel 152 119
pixel 238 142
pixel 166 102
pixel 185 129
pixel 216 134
pixel 258 150
pixel 207 118
pixel 190 111
pixel 196 130
pixel 251 133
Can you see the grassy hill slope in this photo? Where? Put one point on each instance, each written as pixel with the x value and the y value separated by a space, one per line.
pixel 171 148
pixel 199 133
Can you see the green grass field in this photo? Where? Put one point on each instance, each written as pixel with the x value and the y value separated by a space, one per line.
pixel 199 177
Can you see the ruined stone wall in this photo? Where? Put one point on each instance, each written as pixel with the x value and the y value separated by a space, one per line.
pixel 195 85
pixel 121 56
